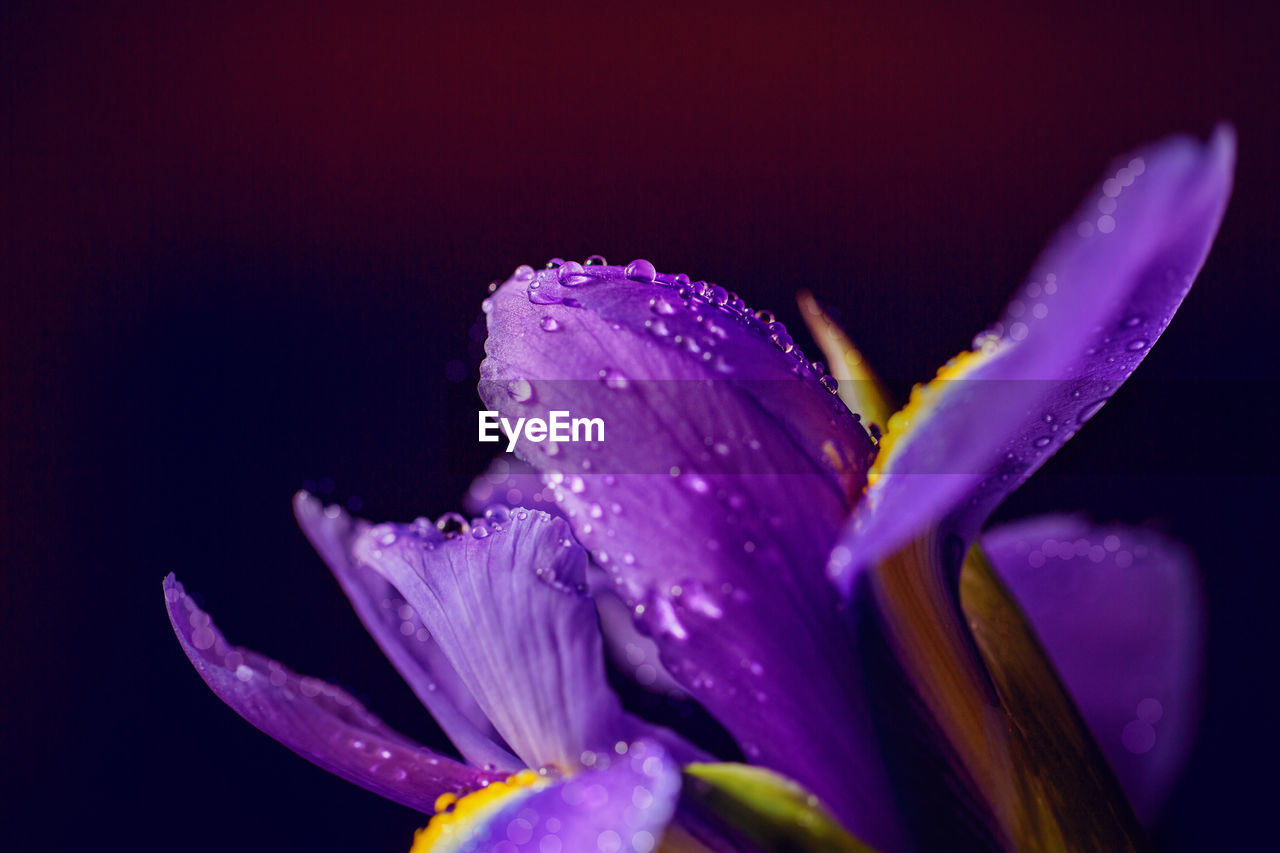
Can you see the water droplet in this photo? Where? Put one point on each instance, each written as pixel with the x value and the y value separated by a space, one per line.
pixel 1090 410
pixel 549 324
pixel 570 274
pixel 696 483
pixel 1042 441
pixel 451 524
pixel 717 295
pixel 613 378
pixel 1132 321
pixel 487 306
pixel 1136 345
pixel 640 270
pixel 524 272
pixel 595 261
pixel 520 390
pixel 764 316
pixel 658 327
pixel 660 305
pixel 554 262
pixel 830 383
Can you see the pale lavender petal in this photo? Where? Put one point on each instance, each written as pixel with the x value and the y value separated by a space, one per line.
pixel 506 600
pixel 1099 297
pixel 400 634
pixel 1119 612
pixel 320 722
pixel 726 470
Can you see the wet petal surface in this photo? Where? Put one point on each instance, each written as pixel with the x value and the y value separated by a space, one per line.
pixel 726 469
pixel 400 634
pixel 320 722
pixel 1098 298
pixel 506 600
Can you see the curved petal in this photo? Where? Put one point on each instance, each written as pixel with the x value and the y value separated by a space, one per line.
pixel 1096 301
pixel 623 805
pixel 725 472
pixel 506 601
pixel 1119 613
pixel 400 634
pixel 318 721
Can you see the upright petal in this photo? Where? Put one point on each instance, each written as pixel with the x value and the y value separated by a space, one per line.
pixel 1099 297
pixel 1119 613
pixel 622 805
pixel 399 633
pixel 318 721
pixel 506 601
pixel 724 473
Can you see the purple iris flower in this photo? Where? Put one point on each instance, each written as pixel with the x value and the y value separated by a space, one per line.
pixel 764 535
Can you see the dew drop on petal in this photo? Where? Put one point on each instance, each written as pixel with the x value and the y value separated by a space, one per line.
pixel 640 270
pixel 570 274
pixel 520 390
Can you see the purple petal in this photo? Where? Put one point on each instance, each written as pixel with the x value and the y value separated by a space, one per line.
pixel 1096 301
pixel 622 805
pixel 507 602
pixel 399 633
pixel 509 482
pixel 725 474
pixel 1119 613
pixel 318 721
pixel 634 653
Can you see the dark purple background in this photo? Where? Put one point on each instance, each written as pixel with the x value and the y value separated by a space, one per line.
pixel 239 249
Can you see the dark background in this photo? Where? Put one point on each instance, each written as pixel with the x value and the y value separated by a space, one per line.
pixel 240 248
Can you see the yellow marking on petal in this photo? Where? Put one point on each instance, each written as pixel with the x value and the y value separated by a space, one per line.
pixel 924 399
pixel 860 388
pixel 453 827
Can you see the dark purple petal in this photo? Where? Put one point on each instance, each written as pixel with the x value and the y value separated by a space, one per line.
pixel 506 601
pixel 1119 613
pixel 1096 301
pixel 622 805
pixel 318 721
pixel 400 634
pixel 726 471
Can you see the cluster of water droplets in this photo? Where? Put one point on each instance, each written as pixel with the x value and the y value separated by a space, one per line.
pixel 712 306
pixel 1101 219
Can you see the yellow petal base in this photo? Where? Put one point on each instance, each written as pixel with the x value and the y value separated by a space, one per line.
pixel 458 819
